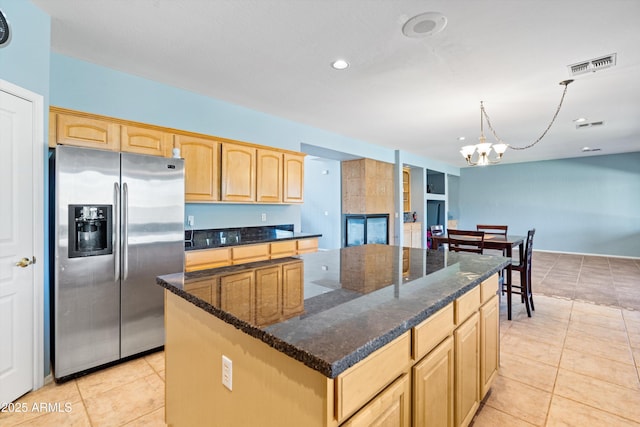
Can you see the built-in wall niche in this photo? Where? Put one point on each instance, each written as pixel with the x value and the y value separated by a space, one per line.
pixel 435 182
pixel 436 213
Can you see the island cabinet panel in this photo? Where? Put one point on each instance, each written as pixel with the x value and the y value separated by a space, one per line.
pixel 364 380
pixel 489 288
pixel 292 289
pixel 466 305
pixel 293 178
pixel 206 290
pixel 238 170
pixel 206 258
pixel 489 344
pixel 268 295
pixel 428 334
pixel 391 408
pixel 86 132
pixel 144 140
pixel 201 168
pixel 467 370
pixel 269 387
pixel 237 295
pixel 433 388
pixel 269 174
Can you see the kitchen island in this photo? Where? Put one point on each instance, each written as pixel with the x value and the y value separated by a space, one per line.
pixel 343 337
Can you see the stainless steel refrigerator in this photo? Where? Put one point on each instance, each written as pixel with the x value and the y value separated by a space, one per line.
pixel 117 223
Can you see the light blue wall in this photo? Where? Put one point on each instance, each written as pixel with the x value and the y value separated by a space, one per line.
pixel 321 211
pixel 25 63
pixel 584 205
pixel 83 86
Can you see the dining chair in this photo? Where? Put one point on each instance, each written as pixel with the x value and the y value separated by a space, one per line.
pixel 524 267
pixel 466 241
pixel 500 230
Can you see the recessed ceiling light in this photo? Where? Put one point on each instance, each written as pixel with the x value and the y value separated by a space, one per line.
pixel 425 24
pixel 340 64
pixel 580 120
pixel 461 138
pixel 589 149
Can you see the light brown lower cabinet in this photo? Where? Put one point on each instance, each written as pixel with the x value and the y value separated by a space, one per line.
pixel 467 370
pixel 203 259
pixel 489 344
pixel 268 295
pixel 391 408
pixel 433 387
pixel 237 295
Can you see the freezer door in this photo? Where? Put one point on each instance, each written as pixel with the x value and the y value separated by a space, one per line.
pixel 152 245
pixel 86 289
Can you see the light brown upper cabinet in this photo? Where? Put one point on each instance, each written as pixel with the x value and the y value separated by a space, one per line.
pixel 145 140
pixel 201 168
pixel 216 169
pixel 69 129
pixel 269 176
pixel 238 173
pixel 293 178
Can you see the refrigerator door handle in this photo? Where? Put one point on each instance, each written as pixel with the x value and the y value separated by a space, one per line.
pixel 125 231
pixel 116 214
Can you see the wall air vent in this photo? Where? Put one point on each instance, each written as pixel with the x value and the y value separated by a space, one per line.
pixel 593 65
pixel 589 125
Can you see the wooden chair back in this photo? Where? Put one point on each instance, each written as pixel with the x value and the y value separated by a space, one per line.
pixel 493 229
pixel 466 241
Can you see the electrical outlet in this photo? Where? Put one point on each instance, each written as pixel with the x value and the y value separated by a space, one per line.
pixel 263 217
pixel 190 220
pixel 227 372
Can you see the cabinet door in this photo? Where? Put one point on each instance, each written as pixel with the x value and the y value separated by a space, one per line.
pixel 238 173
pixel 467 370
pixel 268 295
pixel 87 132
pixel 391 408
pixel 269 176
pixel 201 289
pixel 433 387
pixel 201 168
pixel 406 190
pixel 237 295
pixel 293 178
pixel 489 344
pixel 142 140
pixel 292 289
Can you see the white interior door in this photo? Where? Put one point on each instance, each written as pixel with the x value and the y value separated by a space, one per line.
pixel 18 250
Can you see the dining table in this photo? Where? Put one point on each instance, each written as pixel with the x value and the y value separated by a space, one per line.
pixel 498 242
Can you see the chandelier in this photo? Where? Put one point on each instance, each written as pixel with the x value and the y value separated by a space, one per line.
pixel 484 148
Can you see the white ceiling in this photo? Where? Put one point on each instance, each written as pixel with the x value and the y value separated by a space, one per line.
pixel 416 94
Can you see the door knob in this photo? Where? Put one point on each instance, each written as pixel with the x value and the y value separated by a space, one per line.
pixel 25 262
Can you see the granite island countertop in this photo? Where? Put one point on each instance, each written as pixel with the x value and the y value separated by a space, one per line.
pixel 356 299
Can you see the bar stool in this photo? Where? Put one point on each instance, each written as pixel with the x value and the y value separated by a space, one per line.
pixel 524 267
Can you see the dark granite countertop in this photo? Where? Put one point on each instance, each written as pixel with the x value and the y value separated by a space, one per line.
pixel 224 237
pixel 356 299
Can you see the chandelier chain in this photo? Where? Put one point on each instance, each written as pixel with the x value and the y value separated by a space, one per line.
pixel 553 119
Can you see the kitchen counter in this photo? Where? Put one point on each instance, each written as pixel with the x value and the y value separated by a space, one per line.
pixel 356 299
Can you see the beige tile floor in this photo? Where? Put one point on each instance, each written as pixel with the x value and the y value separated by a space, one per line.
pixel 576 362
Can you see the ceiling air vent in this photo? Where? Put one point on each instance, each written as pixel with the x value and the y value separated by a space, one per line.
pixel 589 125
pixel 593 65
